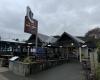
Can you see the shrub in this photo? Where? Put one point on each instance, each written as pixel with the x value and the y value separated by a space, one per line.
pixel 27 60
pixel 98 55
pixel 82 55
pixel 98 72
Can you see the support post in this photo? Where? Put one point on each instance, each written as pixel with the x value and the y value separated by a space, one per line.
pixel 67 53
pixel 28 51
pixel 36 41
pixel 80 53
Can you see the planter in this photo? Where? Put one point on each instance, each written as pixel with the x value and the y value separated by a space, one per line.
pixel 19 68
pixel 3 62
pixel 25 69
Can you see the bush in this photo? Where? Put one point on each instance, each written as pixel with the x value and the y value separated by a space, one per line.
pixel 82 55
pixel 98 72
pixel 98 55
pixel 27 60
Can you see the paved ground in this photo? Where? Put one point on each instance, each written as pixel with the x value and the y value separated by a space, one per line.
pixel 69 71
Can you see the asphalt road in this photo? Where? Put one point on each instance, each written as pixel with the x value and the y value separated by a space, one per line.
pixel 68 71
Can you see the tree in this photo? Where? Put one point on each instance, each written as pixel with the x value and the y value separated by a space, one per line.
pixel 94 33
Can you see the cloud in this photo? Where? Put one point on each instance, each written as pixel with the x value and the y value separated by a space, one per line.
pixel 54 16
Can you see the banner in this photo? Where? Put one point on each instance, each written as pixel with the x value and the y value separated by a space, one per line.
pixel 30 23
pixel 40 51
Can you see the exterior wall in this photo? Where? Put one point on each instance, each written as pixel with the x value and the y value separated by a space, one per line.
pixel 93 59
pixel 3 62
pixel 24 69
pixel 85 52
pixel 19 68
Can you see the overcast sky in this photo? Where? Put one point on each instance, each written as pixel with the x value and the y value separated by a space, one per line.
pixel 54 16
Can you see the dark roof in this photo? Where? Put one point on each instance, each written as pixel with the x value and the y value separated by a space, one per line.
pixel 57 36
pixel 51 39
pixel 82 38
pixel 72 37
pixel 44 38
pixel 90 42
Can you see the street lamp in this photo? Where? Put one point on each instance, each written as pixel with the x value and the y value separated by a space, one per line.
pixel 60 46
pixel 29 43
pixel 49 45
pixel 84 46
pixel 72 44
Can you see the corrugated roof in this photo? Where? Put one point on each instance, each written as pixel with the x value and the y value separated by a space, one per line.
pixel 11 36
pixel 51 39
pixel 45 38
pixel 11 40
pixel 78 40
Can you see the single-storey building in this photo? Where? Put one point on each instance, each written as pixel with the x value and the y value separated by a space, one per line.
pixel 64 46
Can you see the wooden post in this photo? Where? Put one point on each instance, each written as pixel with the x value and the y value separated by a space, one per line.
pixel 28 51
pixel 67 53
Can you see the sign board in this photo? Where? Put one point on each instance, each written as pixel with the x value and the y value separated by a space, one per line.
pixel 14 58
pixel 41 51
pixel 33 50
pixel 30 23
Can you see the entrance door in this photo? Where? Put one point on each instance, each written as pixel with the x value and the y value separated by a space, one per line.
pixel 73 54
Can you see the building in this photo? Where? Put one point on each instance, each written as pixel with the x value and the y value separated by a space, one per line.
pixel 64 46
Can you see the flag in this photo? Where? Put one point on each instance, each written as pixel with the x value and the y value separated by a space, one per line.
pixel 30 23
